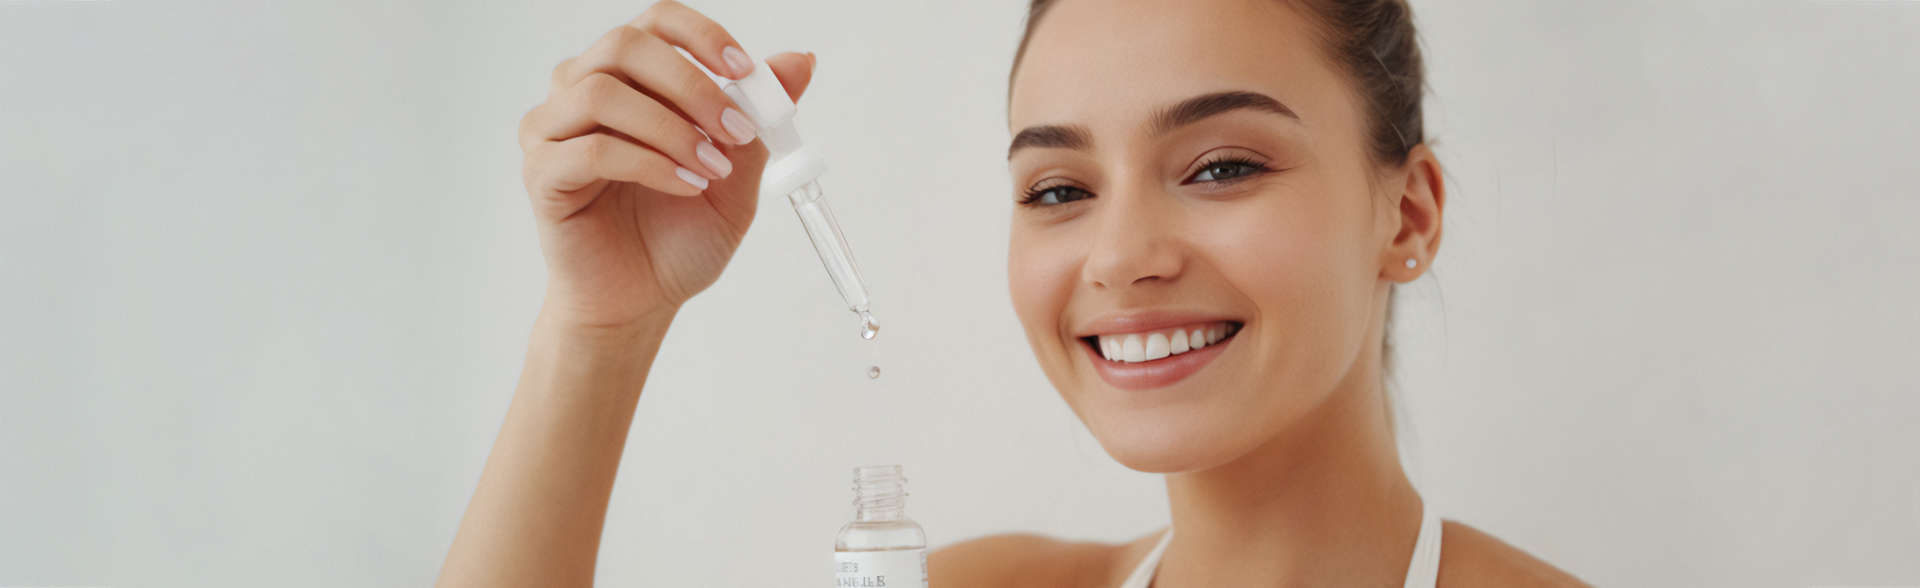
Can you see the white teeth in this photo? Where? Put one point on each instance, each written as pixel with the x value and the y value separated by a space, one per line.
pixel 1149 346
pixel 1157 346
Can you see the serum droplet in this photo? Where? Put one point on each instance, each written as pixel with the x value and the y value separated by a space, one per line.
pixel 873 372
pixel 869 326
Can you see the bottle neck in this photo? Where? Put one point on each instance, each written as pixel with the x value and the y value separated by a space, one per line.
pixel 880 494
pixel 880 515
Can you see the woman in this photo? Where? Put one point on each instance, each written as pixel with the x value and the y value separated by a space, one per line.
pixel 1202 263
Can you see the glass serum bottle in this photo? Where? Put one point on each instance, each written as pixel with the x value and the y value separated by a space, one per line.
pixel 881 548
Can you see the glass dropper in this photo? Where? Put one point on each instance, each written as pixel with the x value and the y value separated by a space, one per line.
pixel 811 204
pixel 794 170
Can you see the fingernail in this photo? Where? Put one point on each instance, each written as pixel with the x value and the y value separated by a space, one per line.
pixel 688 176
pixel 737 125
pixel 737 60
pixel 713 159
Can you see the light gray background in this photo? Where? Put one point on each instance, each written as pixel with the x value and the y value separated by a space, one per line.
pixel 267 272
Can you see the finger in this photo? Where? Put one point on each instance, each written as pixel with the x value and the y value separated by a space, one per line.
pixel 704 39
pixel 603 102
pixel 795 71
pixel 559 170
pixel 653 67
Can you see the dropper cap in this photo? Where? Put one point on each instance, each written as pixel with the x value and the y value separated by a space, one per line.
pixel 790 164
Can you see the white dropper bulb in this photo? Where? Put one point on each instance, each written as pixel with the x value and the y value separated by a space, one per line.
pixel 793 170
pixel 790 164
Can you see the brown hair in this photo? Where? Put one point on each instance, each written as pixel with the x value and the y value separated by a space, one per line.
pixel 1373 42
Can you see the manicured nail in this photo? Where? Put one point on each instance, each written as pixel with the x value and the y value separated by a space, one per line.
pixel 737 125
pixel 713 159
pixel 737 60
pixel 688 176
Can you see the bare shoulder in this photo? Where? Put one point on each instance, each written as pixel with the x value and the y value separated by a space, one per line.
pixel 1469 558
pixel 1034 561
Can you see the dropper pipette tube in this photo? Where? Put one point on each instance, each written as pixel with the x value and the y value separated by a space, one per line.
pixel 811 204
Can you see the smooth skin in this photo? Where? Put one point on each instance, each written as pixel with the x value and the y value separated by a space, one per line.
pixel 1280 462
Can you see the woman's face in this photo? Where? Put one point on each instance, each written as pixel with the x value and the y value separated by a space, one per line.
pixel 1193 166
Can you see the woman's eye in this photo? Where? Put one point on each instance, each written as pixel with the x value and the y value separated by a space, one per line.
pixel 1055 195
pixel 1225 170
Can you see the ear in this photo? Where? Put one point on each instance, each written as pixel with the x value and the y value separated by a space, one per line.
pixel 1421 202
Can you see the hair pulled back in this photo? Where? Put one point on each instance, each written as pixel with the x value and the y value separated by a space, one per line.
pixel 1374 43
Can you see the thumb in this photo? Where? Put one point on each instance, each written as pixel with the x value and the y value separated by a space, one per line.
pixel 795 71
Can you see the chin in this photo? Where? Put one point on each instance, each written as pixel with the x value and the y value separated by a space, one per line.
pixel 1170 443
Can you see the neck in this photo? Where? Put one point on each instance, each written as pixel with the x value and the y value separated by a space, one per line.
pixel 1324 503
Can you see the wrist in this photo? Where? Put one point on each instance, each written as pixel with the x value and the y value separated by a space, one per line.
pixel 594 342
pixel 593 324
pixel 578 360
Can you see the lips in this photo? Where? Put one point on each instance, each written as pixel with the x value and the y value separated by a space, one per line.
pixel 1135 358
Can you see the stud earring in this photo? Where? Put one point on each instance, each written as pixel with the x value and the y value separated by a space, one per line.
pixel 1411 263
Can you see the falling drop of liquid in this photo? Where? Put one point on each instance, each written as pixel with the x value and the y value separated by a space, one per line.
pixel 873 373
pixel 869 327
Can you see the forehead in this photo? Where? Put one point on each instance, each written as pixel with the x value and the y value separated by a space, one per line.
pixel 1100 62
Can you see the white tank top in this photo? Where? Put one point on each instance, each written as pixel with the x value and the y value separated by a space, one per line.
pixel 1422 572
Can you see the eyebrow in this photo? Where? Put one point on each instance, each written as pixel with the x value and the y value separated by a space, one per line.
pixel 1197 108
pixel 1051 136
pixel 1167 119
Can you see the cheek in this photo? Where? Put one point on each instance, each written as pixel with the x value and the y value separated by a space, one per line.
pixel 1298 263
pixel 1041 271
pixel 1278 256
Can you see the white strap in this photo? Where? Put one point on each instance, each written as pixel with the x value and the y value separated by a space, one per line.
pixel 1143 574
pixel 1424 570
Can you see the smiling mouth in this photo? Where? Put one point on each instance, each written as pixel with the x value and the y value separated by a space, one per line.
pixel 1160 343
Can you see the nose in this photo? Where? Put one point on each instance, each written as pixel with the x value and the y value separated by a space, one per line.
pixel 1137 241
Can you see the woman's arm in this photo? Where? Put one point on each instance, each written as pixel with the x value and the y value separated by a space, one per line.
pixel 643 177
pixel 536 518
